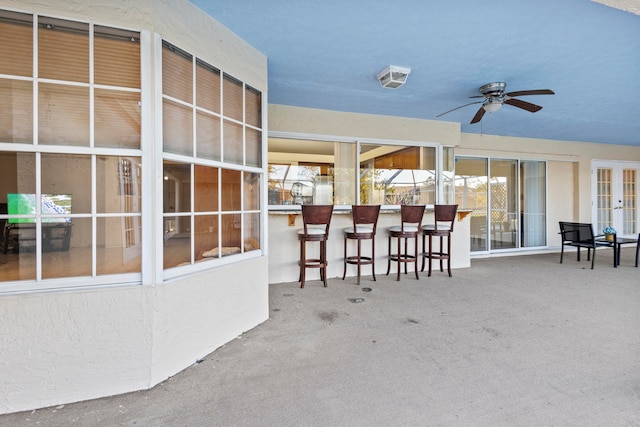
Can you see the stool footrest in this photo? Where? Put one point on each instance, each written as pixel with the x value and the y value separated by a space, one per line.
pixel 363 260
pixel 313 263
pixel 402 258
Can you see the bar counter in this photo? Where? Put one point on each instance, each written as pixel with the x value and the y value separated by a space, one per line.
pixel 284 249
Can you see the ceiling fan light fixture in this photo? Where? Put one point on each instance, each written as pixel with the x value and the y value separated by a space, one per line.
pixel 492 107
pixel 393 76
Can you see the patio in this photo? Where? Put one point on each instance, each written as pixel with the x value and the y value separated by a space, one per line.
pixel 519 340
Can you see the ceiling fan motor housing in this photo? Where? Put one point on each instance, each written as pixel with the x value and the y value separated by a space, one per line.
pixel 493 89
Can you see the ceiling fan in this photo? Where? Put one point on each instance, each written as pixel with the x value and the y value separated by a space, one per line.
pixel 494 98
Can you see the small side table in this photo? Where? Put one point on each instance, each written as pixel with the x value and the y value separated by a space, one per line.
pixel 617 244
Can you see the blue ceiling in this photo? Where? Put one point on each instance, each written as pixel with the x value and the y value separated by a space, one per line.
pixel 326 54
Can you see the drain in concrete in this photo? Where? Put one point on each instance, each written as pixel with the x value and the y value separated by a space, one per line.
pixel 366 289
pixel 356 300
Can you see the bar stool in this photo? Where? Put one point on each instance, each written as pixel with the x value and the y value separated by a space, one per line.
pixel 365 221
pixel 444 219
pixel 316 220
pixel 410 222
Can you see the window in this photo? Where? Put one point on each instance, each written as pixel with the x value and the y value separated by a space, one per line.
pixel 70 184
pixel 212 144
pixel 327 172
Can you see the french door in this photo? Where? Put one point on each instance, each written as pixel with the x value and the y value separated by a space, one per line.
pixel 615 197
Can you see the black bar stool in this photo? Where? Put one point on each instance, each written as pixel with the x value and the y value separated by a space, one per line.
pixel 315 220
pixel 410 222
pixel 365 221
pixel 444 219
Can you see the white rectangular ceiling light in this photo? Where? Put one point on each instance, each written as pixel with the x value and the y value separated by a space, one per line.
pixel 393 77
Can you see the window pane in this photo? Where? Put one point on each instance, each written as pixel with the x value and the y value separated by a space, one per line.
pixel 448 176
pixel 17 174
pixel 254 147
pixel 231 190
pixel 63 115
pixel 118 184
pixel 66 249
pixel 231 233
pixel 68 175
pixel 177 241
pixel 177 187
pixel 16 43
pixel 533 184
pixel 177 73
pixel 118 245
pixel 206 189
pixel 504 217
pixel 472 193
pixel 117 119
pixel 393 175
pixel 251 191
pixel 232 142
pixel 251 232
pixel 340 186
pixel 63 50
pixel 207 87
pixel 232 98
pixel 630 204
pixel 206 237
pixel 254 104
pixel 207 136
pixel 116 57
pixel 16 111
pixel 177 128
pixel 294 169
pixel 17 177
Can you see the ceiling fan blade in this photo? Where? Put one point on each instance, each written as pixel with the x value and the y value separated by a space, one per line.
pixel 478 116
pixel 531 92
pixel 457 108
pixel 523 104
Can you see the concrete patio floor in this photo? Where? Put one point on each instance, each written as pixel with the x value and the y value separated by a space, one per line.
pixel 511 341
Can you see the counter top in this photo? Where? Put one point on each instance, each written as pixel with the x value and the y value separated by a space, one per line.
pixel 342 210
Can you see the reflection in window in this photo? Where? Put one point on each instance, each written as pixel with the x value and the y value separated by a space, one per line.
pixel 210 211
pixel 398 175
pixel 507 199
pixel 313 172
pixel 472 194
pixel 57 223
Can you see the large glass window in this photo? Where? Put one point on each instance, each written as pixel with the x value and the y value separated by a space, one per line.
pixel 507 199
pixel 212 141
pixel 69 212
pixel 326 172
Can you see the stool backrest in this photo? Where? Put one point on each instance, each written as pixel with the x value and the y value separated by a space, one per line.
pixel 365 215
pixel 445 216
pixel 411 215
pixel 319 215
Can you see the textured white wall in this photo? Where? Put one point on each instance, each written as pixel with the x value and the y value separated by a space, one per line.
pixel 60 347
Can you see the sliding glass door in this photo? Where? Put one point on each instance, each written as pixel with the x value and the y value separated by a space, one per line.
pixel 507 198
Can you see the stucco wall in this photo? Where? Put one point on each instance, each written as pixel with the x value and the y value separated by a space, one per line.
pixel 64 346
pixel 321 122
